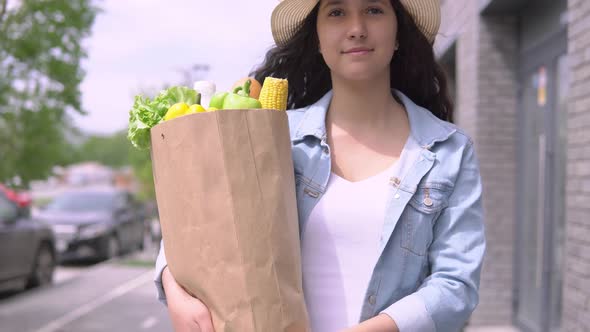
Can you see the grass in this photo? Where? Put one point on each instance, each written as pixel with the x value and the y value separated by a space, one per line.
pixel 135 262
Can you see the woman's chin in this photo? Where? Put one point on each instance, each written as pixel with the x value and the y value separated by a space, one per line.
pixel 360 76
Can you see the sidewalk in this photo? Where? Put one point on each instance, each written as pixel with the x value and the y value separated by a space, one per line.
pixel 492 329
pixel 148 256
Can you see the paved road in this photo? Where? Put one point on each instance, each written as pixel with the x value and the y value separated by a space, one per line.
pixel 113 296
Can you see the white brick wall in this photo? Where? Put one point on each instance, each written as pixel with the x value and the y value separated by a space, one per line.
pixel 496 143
pixel 576 288
pixel 467 64
pixel 486 108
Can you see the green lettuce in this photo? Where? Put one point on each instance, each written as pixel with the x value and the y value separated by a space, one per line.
pixel 146 113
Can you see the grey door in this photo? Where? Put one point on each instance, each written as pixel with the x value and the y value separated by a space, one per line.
pixel 541 195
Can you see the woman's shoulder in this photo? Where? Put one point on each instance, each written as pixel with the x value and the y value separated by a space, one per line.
pixel 460 135
pixel 431 131
pixel 295 118
pixel 459 143
pixel 295 115
pixel 448 141
pixel 309 119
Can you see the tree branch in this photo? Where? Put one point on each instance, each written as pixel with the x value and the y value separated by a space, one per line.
pixel 3 4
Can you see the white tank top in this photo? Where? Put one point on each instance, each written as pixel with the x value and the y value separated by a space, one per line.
pixel 340 245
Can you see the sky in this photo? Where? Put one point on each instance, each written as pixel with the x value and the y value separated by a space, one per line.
pixel 140 45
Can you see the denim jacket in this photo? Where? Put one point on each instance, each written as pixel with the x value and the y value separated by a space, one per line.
pixel 432 242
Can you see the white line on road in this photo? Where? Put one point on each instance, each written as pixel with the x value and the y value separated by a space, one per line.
pixel 63 273
pixel 149 322
pixel 125 288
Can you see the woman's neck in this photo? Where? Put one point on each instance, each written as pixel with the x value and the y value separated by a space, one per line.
pixel 361 106
pixel 366 129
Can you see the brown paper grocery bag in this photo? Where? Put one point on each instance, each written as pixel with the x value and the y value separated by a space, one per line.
pixel 226 197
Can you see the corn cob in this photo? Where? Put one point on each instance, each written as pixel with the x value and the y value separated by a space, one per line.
pixel 274 93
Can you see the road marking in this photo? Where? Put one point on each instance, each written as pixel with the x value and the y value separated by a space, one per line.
pixel 59 323
pixel 149 322
pixel 63 274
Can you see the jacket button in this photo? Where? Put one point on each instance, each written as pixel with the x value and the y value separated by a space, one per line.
pixel 394 181
pixel 372 300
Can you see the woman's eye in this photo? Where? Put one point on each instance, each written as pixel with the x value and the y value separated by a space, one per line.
pixel 374 11
pixel 336 12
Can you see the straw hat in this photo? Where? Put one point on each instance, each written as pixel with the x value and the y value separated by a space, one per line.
pixel 290 14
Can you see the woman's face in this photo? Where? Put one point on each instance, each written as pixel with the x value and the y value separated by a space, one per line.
pixel 357 37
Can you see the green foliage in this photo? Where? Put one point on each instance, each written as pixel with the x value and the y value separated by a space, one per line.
pixel 108 150
pixel 117 151
pixel 40 54
pixel 142 166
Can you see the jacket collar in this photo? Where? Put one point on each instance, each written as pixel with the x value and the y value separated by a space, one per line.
pixel 425 127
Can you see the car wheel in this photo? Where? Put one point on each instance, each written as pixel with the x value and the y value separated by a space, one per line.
pixel 146 237
pixel 112 249
pixel 141 243
pixel 44 267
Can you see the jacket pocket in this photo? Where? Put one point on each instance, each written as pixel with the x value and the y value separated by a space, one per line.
pixel 419 216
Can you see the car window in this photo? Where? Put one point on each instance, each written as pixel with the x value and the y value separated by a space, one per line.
pixel 121 201
pixel 83 201
pixel 132 201
pixel 8 210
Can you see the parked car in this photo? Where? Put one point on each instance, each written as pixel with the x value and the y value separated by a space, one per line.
pixel 153 222
pixel 27 246
pixel 95 223
pixel 22 199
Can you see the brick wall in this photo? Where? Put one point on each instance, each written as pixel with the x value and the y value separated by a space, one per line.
pixel 496 146
pixel 486 50
pixel 576 288
pixel 486 107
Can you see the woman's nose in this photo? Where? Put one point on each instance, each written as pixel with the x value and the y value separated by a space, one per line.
pixel 357 27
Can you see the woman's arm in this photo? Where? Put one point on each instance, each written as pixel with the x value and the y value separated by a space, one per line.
pixel 448 296
pixel 187 313
pixel 379 323
pixel 161 264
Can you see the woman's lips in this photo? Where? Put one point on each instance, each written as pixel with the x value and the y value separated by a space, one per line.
pixel 358 51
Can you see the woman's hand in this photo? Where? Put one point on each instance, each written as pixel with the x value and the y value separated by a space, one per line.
pixel 379 323
pixel 187 313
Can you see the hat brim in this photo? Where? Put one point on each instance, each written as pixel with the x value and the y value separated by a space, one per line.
pixel 288 16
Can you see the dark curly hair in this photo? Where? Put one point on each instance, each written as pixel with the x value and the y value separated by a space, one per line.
pixel 414 69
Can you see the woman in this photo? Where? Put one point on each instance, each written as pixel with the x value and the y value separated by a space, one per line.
pixel 388 191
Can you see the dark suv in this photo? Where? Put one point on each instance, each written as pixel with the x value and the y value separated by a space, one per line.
pixel 95 223
pixel 27 246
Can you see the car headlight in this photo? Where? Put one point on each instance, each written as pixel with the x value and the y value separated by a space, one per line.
pixel 92 231
pixel 64 230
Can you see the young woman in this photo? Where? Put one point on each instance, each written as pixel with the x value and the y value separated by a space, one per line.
pixel 388 190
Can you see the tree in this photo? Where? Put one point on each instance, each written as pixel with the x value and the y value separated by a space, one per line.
pixel 116 151
pixel 40 53
pixel 141 162
pixel 113 150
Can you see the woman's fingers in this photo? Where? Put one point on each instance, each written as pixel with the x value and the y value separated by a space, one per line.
pixel 187 313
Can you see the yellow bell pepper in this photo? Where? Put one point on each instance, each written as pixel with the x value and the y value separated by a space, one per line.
pixel 176 110
pixel 196 108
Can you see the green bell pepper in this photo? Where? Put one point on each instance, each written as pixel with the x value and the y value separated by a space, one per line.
pixel 240 98
pixel 217 100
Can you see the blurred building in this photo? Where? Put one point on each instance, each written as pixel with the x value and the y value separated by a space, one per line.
pixel 520 74
pixel 88 174
pixel 84 174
